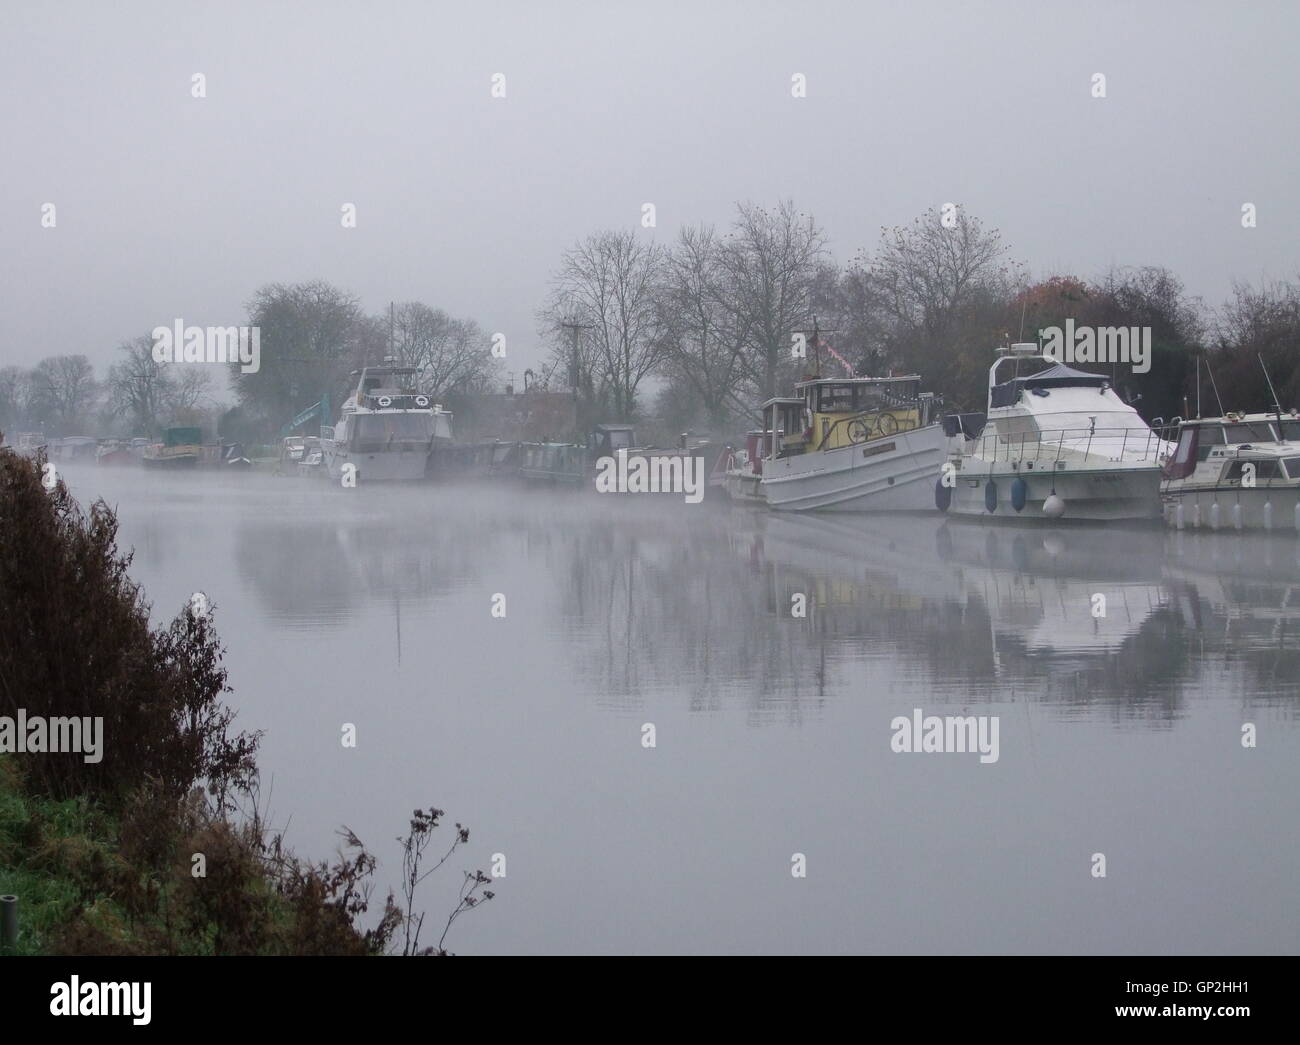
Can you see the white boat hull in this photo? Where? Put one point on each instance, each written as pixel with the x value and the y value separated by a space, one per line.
pixel 1237 508
pixel 894 473
pixel 383 466
pixel 1100 494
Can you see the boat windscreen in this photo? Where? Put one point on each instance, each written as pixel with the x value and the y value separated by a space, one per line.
pixel 375 431
pixel 1255 432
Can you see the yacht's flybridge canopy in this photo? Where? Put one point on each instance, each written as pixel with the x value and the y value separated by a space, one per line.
pixel 388 388
pixel 1056 376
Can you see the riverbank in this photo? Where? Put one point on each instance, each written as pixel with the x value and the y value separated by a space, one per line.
pixel 152 839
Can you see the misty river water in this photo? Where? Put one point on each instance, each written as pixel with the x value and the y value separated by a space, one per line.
pixel 1119 734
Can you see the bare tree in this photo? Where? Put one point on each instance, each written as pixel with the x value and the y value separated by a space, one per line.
pixel 703 338
pixel 15 395
pixel 1259 323
pixel 191 386
pixel 937 287
pixel 608 283
pixel 450 354
pixel 771 259
pixel 926 271
pixel 63 390
pixel 139 388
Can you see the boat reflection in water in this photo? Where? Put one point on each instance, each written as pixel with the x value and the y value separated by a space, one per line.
pixel 699 605
pixel 1066 616
pixel 1118 732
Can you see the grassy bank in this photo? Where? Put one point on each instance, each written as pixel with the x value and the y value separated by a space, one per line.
pixel 157 845
pixel 37 837
pixel 91 881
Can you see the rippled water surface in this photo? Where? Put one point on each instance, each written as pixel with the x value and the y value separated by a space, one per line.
pixel 1118 734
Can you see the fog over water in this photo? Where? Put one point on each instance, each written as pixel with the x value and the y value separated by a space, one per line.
pixel 1118 734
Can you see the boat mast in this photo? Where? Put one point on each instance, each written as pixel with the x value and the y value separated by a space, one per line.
pixel 1277 406
pixel 1215 385
pixel 816 333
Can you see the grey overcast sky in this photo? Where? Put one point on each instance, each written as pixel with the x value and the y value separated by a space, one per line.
pixel 172 207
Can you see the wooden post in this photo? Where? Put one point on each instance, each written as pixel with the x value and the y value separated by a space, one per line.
pixel 8 923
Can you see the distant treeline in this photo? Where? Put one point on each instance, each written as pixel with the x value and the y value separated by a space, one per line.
pixel 312 336
pixel 710 319
pixel 715 312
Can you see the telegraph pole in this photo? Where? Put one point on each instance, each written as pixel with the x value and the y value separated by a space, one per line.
pixel 575 372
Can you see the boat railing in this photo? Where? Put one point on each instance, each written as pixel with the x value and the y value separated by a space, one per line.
pixel 1136 445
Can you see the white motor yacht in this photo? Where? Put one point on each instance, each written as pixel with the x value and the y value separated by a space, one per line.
pixel 1239 471
pixel 387 429
pixel 1056 443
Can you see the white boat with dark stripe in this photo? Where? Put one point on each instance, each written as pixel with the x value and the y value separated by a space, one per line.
pixel 1236 472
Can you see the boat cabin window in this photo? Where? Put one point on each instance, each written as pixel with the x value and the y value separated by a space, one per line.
pixel 836 399
pixel 1266 469
pixel 619 439
pixel 1292 467
pixel 1210 437
pixel 1290 430
pixel 1249 433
